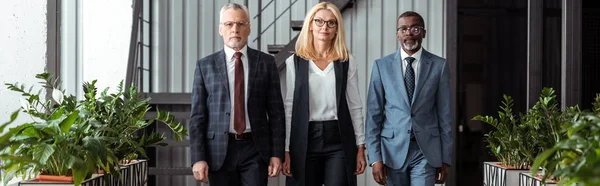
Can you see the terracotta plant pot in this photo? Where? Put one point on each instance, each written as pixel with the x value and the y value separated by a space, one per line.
pixel 54 178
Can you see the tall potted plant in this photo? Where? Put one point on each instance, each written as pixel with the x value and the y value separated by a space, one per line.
pixel 60 140
pixel 517 142
pixel 577 155
pixel 67 137
pixel 503 143
pixel 124 113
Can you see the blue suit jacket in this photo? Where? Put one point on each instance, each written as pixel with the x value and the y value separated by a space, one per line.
pixel 211 107
pixel 390 116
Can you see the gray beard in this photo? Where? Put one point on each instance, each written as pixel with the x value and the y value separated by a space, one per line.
pixel 413 47
pixel 235 44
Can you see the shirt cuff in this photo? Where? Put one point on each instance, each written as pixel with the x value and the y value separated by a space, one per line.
pixel 374 163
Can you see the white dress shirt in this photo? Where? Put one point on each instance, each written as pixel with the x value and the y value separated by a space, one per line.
pixel 415 64
pixel 231 77
pixel 322 94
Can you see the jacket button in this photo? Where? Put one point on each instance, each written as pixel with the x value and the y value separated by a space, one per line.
pixel 227 114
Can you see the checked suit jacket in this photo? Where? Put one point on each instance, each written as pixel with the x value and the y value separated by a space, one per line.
pixel 211 106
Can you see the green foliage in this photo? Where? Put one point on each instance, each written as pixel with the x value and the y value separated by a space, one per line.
pixel 55 141
pixel 577 155
pixel 123 114
pixel 68 137
pixel 544 122
pixel 517 141
pixel 505 138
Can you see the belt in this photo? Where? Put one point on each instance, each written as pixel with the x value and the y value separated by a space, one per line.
pixel 240 137
pixel 323 122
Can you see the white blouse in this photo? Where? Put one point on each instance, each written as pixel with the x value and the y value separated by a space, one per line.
pixel 322 96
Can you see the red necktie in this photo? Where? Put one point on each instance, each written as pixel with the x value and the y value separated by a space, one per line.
pixel 239 110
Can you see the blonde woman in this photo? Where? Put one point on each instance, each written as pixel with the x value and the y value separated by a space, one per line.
pixel 324 120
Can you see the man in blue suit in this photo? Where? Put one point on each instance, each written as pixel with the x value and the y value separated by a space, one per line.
pixel 409 121
pixel 237 124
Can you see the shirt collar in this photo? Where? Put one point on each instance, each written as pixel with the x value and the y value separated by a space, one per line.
pixel 416 55
pixel 229 52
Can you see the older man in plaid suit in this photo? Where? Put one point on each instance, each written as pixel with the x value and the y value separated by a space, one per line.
pixel 237 127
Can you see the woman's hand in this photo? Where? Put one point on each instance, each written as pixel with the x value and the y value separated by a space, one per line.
pixel 361 164
pixel 286 165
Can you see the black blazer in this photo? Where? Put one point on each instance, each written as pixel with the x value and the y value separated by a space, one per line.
pixel 300 119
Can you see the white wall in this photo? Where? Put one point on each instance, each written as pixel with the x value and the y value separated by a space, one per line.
pixel 22 50
pixel 106 31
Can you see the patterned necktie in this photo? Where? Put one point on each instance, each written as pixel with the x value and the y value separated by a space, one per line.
pixel 239 111
pixel 409 79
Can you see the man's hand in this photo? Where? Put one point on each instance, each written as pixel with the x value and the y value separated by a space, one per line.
pixel 441 173
pixel 361 164
pixel 286 165
pixel 274 167
pixel 379 173
pixel 200 170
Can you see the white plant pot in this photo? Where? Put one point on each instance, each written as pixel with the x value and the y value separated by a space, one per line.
pixel 138 173
pixel 496 175
pixel 525 179
pixel 133 174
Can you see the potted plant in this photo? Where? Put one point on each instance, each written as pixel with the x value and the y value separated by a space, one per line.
pixel 578 155
pixel 124 113
pixel 547 128
pixel 502 143
pixel 517 142
pixel 68 137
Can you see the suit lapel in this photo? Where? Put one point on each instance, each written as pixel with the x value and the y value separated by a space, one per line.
pixel 221 65
pixel 397 74
pixel 252 69
pixel 424 70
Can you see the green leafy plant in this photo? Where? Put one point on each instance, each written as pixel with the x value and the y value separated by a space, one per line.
pixel 544 122
pixel 60 139
pixel 123 113
pixel 503 140
pixel 67 137
pixel 516 142
pixel 577 155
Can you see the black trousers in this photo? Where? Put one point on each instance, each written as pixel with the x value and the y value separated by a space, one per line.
pixel 325 160
pixel 243 166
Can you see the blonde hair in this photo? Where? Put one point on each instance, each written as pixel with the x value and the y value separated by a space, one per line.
pixel 304 44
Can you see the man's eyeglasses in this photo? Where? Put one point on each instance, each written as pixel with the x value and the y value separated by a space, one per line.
pixel 240 24
pixel 414 30
pixel 330 23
